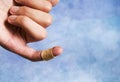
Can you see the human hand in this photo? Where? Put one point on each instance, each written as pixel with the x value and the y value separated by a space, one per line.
pixel 27 23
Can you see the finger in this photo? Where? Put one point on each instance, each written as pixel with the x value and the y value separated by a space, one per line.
pixel 29 26
pixel 54 2
pixel 38 16
pixel 42 5
pixel 30 53
pixel 35 55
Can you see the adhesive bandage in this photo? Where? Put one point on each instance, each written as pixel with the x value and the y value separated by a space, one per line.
pixel 47 54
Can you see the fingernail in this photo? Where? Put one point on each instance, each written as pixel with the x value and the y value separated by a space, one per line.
pixel 14 9
pixel 12 18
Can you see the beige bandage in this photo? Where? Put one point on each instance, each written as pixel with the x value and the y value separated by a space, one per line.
pixel 47 54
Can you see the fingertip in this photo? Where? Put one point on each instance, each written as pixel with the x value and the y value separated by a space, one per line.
pixel 14 9
pixel 11 18
pixel 57 51
pixel 55 2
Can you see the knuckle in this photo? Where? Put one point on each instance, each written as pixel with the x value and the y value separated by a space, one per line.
pixel 41 36
pixel 24 10
pixel 55 2
pixel 23 20
pixel 49 20
pixel 48 6
pixel 44 35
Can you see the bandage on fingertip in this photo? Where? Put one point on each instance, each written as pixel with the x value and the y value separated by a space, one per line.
pixel 47 54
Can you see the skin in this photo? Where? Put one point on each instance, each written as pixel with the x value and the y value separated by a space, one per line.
pixel 25 21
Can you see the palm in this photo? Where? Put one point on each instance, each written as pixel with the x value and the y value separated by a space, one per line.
pixel 10 37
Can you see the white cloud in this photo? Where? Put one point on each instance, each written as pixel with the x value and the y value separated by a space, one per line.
pixel 90 42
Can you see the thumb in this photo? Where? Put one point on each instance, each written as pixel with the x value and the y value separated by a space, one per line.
pixel 34 55
pixel 40 55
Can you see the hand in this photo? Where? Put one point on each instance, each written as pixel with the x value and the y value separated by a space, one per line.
pixel 26 23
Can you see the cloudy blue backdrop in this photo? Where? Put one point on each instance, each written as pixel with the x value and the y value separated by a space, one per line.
pixel 89 32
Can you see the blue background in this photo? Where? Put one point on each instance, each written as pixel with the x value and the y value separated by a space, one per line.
pixel 89 32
